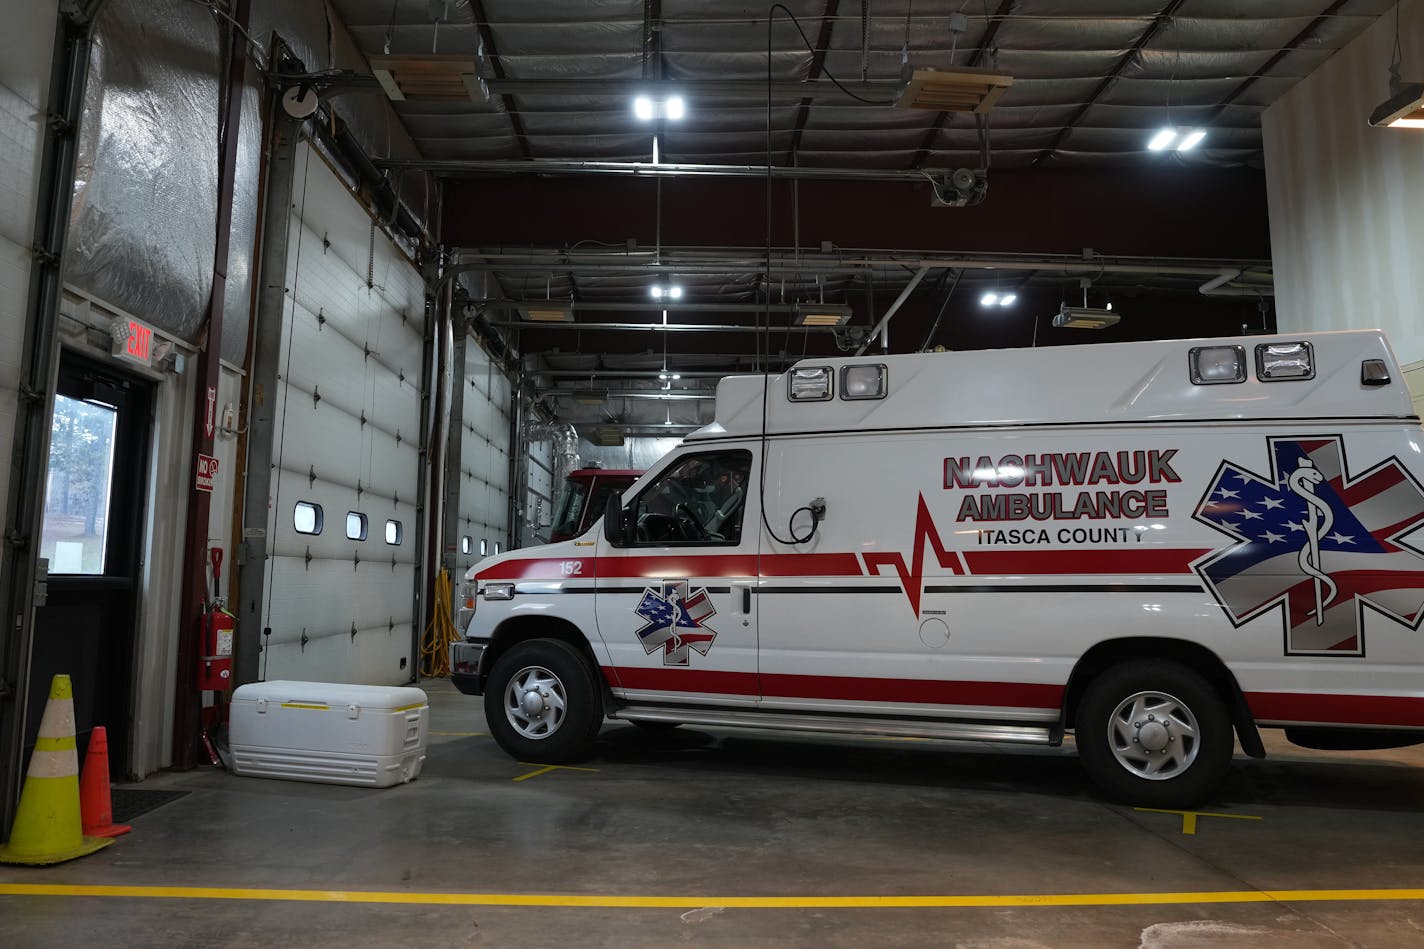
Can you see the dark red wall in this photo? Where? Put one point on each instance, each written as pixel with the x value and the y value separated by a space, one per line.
pixel 1172 212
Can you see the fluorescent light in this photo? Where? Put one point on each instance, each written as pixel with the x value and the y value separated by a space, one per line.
pixel 674 108
pixel 1403 110
pixel 989 299
pixel 1191 140
pixel 643 108
pixel 1162 140
pixel 675 292
pixel 1008 299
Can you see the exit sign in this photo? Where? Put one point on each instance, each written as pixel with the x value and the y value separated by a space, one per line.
pixel 133 341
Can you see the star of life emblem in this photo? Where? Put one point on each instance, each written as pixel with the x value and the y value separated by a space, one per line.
pixel 674 621
pixel 1316 543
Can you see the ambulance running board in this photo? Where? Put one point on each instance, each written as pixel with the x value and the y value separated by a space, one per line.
pixel 957 731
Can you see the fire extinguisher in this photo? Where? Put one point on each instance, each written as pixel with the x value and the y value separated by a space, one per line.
pixel 215 656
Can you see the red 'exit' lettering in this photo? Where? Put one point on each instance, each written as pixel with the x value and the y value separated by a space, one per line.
pixel 139 338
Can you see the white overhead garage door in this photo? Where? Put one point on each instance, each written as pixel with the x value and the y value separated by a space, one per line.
pixel 484 458
pixel 341 579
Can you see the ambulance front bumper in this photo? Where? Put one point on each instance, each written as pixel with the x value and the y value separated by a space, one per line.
pixel 466 658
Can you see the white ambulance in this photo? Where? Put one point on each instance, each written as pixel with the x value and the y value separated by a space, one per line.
pixel 1159 546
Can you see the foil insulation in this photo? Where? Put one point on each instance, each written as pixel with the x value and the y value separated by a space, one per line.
pixel 142 228
pixel 145 193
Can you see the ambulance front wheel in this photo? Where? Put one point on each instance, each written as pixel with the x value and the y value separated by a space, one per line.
pixel 542 702
pixel 1154 734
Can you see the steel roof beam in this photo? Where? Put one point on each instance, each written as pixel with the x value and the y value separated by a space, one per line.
pixel 487 37
pixel 654 327
pixel 818 62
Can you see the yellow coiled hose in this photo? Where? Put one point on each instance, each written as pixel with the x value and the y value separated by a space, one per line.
pixel 435 644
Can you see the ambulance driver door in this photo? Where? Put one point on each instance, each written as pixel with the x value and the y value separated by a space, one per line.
pixel 675 599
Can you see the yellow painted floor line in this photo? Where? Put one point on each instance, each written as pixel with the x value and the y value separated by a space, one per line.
pixel 697 902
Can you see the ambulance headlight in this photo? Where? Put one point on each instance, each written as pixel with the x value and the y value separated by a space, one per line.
pixel 1276 362
pixel 809 385
pixel 499 591
pixel 863 382
pixel 1215 365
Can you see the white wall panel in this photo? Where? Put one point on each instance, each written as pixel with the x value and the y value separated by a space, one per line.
pixel 26 48
pixel 1346 206
pixel 347 440
pixel 483 511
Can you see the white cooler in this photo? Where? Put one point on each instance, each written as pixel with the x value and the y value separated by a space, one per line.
pixel 369 735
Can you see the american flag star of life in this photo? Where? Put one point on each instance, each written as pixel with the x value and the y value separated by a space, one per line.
pixel 1320 541
pixel 674 621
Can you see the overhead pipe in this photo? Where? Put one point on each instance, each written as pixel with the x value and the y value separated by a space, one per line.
pixel 655 327
pixel 633 394
pixel 524 263
pixel 451 167
pixel 750 89
pixel 1220 286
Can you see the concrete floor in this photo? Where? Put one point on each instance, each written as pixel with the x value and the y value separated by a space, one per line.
pixel 709 817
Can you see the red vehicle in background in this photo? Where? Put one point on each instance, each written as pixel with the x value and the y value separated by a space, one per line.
pixel 583 497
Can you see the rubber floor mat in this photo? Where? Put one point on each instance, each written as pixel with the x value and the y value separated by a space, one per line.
pixel 129 803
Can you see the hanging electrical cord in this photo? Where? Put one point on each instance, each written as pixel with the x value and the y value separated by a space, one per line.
pixel 440 632
pixel 763 335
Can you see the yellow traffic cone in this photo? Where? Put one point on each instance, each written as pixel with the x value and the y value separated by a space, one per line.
pixel 47 826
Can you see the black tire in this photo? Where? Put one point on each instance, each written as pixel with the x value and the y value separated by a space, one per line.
pixel 565 713
pixel 1139 709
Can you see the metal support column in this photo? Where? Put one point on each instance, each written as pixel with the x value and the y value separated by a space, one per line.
pixel 268 321
pixel 187 706
pixel 29 455
pixel 454 460
pixel 434 394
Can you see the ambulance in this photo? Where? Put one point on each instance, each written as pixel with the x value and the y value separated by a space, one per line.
pixel 1161 548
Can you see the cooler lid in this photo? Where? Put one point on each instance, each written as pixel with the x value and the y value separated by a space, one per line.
pixel 339 694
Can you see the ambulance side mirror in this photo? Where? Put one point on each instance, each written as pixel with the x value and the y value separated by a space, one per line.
pixel 615 522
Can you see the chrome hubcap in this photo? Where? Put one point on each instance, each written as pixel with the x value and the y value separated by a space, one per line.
pixel 534 702
pixel 1153 735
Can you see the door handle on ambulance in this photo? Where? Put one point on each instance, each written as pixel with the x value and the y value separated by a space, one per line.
pixel 746 596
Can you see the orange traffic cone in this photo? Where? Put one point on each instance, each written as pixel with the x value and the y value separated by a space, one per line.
pixel 47 827
pixel 95 804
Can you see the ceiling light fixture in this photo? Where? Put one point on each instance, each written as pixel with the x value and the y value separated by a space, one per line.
pixel 647 108
pixel 669 291
pixel 1085 317
pixel 546 311
pixel 1404 109
pixel 989 299
pixel 822 314
pixel 1176 139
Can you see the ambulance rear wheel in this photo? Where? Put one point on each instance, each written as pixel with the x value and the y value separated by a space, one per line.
pixel 1154 734
pixel 542 703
